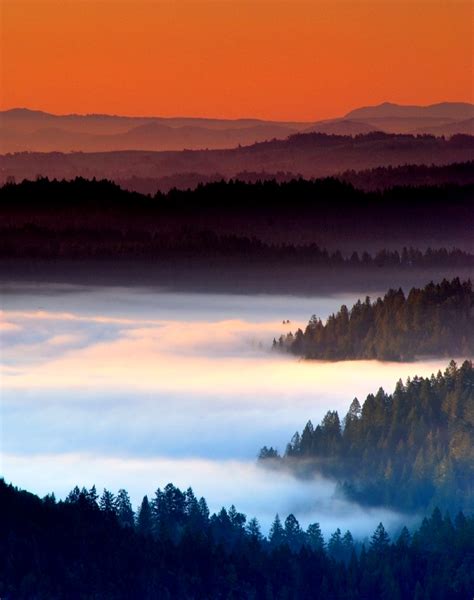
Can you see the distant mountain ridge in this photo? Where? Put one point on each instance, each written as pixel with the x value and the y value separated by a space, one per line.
pixel 449 110
pixel 444 118
pixel 22 129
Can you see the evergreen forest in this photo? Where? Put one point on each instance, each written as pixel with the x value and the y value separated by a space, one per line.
pixel 91 547
pixel 437 320
pixel 411 450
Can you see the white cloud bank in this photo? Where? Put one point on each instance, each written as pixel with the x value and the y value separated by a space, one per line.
pixel 138 388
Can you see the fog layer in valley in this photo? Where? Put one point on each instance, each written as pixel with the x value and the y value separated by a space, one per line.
pixel 137 388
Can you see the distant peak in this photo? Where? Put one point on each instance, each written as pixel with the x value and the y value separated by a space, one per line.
pixel 24 112
pixel 447 110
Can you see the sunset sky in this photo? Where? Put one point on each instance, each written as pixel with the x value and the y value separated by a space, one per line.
pixel 228 58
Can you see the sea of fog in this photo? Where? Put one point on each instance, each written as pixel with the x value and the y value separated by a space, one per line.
pixel 139 387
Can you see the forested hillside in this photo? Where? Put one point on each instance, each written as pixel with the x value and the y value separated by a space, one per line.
pixel 381 178
pixel 297 212
pixel 41 243
pixel 437 320
pixel 90 547
pixel 377 178
pixel 308 154
pixel 412 449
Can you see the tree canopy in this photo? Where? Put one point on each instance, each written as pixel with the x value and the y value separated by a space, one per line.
pixel 412 449
pixel 435 320
pixel 81 548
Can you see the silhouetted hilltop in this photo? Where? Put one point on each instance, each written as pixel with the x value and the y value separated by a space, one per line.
pixel 22 129
pixel 267 221
pixel 446 110
pixel 445 118
pixel 37 131
pixel 310 155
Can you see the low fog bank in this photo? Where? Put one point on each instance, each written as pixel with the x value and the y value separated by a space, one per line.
pixel 136 388
pixel 254 490
pixel 222 276
pixel 143 304
pixel 133 385
pixel 226 408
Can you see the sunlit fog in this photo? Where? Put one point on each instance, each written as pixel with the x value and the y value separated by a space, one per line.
pixel 137 388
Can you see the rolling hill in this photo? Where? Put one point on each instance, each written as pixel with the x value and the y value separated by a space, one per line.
pixel 309 155
pixel 22 129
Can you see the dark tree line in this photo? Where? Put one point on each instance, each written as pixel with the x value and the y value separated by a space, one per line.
pixel 385 177
pixel 190 181
pixel 411 450
pixel 377 178
pixel 71 212
pixel 88 547
pixel 328 196
pixel 87 218
pixel 435 320
pixel 42 243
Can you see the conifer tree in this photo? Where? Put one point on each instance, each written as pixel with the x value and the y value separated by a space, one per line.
pixel 124 509
pixel 144 518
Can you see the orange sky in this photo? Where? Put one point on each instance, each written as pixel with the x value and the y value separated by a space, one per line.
pixel 227 58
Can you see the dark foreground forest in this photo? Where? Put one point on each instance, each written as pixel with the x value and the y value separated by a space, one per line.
pixel 295 236
pixel 95 548
pixel 411 450
pixel 437 320
pixel 98 218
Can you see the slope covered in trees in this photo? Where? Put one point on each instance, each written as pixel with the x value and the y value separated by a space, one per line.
pixel 88 547
pixel 295 212
pixel 410 175
pixel 435 320
pixel 378 178
pixel 411 449
pixel 308 154
pixel 31 241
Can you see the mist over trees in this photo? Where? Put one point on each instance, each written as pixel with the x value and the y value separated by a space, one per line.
pixel 93 546
pixel 264 219
pixel 39 242
pixel 437 320
pixel 411 450
pixel 381 178
pixel 378 178
pixel 308 154
pixel 34 130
